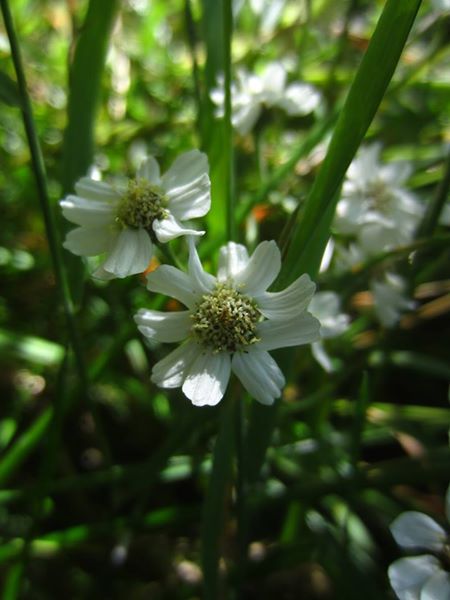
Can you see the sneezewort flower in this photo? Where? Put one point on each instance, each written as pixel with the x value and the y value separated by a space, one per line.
pixel 231 323
pixel 375 208
pixel 123 223
pixel 251 92
pixel 427 576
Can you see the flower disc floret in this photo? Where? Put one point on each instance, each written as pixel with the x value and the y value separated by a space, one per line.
pixel 225 320
pixel 141 205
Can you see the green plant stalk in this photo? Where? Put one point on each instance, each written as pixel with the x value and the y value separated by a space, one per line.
pixel 85 79
pixel 214 508
pixel 228 133
pixel 14 457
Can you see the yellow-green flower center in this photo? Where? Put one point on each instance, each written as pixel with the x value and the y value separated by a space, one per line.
pixel 141 205
pixel 225 320
pixel 378 194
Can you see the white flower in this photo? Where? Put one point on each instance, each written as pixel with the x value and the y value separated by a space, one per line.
pixel 122 224
pixel 231 323
pixel 251 92
pixel 326 307
pixel 421 577
pixel 389 299
pixel 375 207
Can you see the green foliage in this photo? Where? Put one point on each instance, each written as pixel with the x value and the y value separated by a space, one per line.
pixel 112 487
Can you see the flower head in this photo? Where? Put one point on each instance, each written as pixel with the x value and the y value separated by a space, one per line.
pixel 375 207
pixel 424 577
pixel 231 323
pixel 250 93
pixel 123 223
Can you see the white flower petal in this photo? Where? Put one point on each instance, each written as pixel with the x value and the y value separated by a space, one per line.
pixel 259 374
pixel 165 327
pixel 414 530
pixel 207 378
pixel 186 169
pixel 302 329
pixel 88 213
pixel 350 213
pixel 170 281
pixel 203 281
pixel 149 170
pixel 299 99
pixel 95 190
pixel 244 117
pixel 131 253
pixel 408 575
pixel 261 270
pixel 447 504
pixel 290 302
pixel 89 241
pixel 273 81
pixel 232 259
pixel 322 356
pixel 170 371
pixel 437 587
pixel 170 228
pixel 191 200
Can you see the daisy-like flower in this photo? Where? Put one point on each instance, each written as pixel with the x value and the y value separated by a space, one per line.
pixel 122 223
pixel 375 207
pixel 231 323
pixel 326 307
pixel 424 577
pixel 250 93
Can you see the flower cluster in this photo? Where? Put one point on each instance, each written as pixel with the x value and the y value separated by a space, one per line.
pixel 250 93
pixel 232 321
pixel 376 210
pixel 423 577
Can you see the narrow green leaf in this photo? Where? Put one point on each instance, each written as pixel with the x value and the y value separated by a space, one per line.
pixel 16 455
pixel 9 92
pixel 84 94
pixel 214 134
pixel 214 507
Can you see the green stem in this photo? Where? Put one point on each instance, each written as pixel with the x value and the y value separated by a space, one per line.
pixel 214 509
pixel 228 130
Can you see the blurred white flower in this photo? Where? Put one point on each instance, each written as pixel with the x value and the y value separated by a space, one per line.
pixel 423 577
pixel 326 307
pixel 390 300
pixel 122 223
pixel 251 92
pixel 375 208
pixel 231 323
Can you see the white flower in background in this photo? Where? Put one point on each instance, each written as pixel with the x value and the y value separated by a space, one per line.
pixel 424 577
pixel 231 323
pixel 251 92
pixel 375 208
pixel 389 298
pixel 326 307
pixel 122 223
